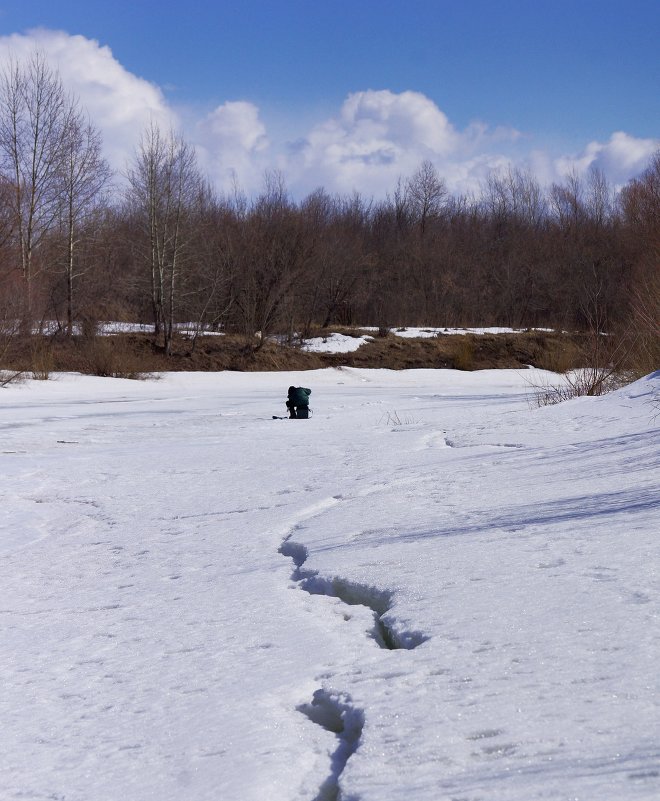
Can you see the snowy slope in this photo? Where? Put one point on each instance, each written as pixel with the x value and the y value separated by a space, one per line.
pixel 342 343
pixel 430 590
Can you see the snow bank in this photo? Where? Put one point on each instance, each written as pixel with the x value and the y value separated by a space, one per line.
pixel 340 343
pixel 335 343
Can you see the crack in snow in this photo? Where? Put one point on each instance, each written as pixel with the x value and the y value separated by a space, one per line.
pixel 352 594
pixel 335 713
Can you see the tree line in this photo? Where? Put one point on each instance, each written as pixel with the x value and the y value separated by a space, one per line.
pixel 160 245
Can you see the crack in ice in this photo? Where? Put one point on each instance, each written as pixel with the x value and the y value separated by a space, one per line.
pixel 335 713
pixel 352 594
pixel 332 711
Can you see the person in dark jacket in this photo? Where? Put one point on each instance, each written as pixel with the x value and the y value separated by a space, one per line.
pixel 298 402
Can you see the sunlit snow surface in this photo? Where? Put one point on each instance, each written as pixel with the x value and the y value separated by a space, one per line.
pixel 342 343
pixel 167 551
pixel 335 343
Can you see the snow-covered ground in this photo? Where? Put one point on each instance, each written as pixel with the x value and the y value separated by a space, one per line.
pixel 110 328
pixel 438 332
pixel 332 343
pixel 341 343
pixel 335 343
pixel 430 590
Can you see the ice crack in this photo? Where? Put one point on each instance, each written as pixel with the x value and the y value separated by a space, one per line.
pixel 335 713
pixel 352 594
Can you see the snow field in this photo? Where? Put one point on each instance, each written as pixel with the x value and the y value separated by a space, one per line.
pixel 342 343
pixel 181 572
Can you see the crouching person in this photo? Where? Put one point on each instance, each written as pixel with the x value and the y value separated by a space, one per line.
pixel 298 403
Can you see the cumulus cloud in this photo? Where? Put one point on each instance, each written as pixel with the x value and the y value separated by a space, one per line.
pixel 119 103
pixel 232 144
pixel 374 138
pixel 620 158
pixel 378 136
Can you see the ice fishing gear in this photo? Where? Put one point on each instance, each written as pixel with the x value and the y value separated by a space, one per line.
pixel 298 402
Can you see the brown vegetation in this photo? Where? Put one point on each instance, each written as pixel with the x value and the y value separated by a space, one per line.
pixel 133 355
pixel 167 249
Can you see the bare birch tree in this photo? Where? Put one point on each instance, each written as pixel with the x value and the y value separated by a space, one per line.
pixel 164 183
pixel 84 177
pixel 34 109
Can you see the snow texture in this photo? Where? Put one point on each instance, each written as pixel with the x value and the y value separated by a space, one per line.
pixel 438 332
pixel 341 343
pixel 430 590
pixel 335 343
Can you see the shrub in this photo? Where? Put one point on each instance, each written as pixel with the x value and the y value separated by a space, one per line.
pixel 558 356
pixel 11 377
pixel 464 354
pixel 109 357
pixel 393 419
pixel 645 334
pixel 41 359
pixel 588 381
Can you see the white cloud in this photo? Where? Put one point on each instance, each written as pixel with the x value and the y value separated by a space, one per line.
pixel 408 117
pixel 379 135
pixel 232 142
pixel 374 138
pixel 119 103
pixel 620 158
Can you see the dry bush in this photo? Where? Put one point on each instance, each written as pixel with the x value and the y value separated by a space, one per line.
pixel 11 306
pixel 559 355
pixel 645 334
pixel 41 358
pixel 605 366
pixel 464 353
pixel 89 326
pixel 590 381
pixel 393 419
pixel 11 377
pixel 112 358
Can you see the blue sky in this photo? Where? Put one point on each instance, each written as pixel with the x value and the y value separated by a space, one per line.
pixel 543 84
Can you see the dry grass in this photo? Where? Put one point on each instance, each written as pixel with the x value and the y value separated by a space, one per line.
pixel 41 358
pixel 464 354
pixel 111 357
pixel 133 355
pixel 394 419
pixel 589 381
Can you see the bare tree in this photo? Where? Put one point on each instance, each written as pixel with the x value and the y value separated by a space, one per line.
pixel 600 198
pixel 515 194
pixel 567 201
pixel 640 203
pixel 164 183
pixel 34 111
pixel 6 216
pixel 271 254
pixel 337 228
pixel 426 192
pixel 207 300
pixel 84 177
